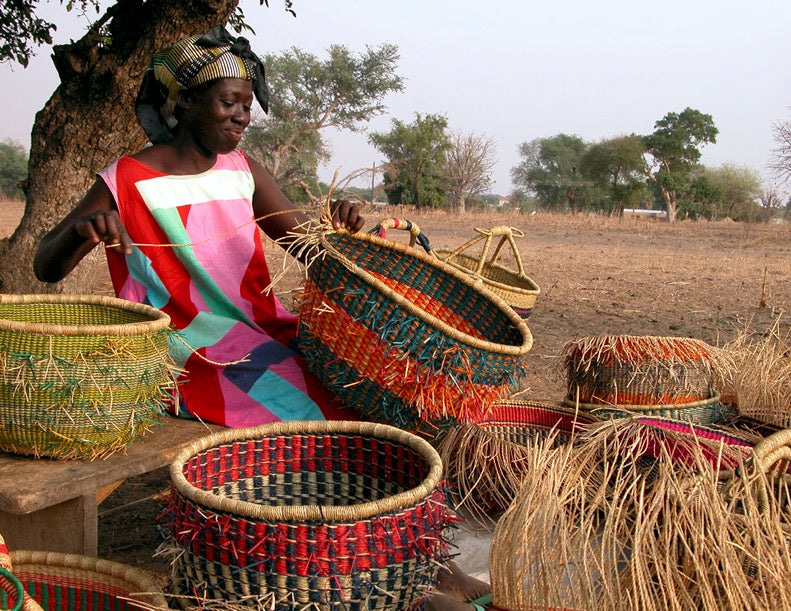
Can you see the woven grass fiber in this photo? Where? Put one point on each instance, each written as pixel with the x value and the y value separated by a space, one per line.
pixel 404 338
pixel 71 582
pixel 81 376
pixel 514 286
pixel 631 537
pixel 486 461
pixel 329 515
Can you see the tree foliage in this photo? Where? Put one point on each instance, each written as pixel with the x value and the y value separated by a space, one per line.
pixel 308 95
pixel 416 156
pixel 13 169
pixel 617 169
pixel 551 170
pixel 470 160
pixel 675 148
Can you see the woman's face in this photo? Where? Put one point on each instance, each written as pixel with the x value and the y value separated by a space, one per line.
pixel 218 115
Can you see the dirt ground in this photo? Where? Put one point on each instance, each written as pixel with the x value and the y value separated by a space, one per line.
pixel 708 280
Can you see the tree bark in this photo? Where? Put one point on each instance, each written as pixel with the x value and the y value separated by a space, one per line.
pixel 90 121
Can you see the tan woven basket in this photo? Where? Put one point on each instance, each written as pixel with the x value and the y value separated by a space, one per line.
pixel 513 286
pixel 705 412
pixel 80 376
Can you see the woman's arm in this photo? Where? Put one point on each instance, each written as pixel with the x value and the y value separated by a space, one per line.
pixel 94 220
pixel 278 216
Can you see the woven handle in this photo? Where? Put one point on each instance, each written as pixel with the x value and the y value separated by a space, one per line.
pixel 506 235
pixel 770 456
pixel 415 235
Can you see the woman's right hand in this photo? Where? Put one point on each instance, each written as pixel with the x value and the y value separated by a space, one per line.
pixel 103 226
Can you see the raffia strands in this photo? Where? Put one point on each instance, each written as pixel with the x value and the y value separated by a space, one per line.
pixel 637 518
pixel 404 338
pixel 330 515
pixel 486 461
pixel 81 376
pixel 758 379
pixel 638 370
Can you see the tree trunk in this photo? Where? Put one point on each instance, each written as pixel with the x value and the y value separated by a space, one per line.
pixel 670 202
pixel 460 203
pixel 89 121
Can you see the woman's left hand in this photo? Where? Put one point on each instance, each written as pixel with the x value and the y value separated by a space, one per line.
pixel 346 215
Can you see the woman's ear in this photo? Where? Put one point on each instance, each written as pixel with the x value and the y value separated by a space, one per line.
pixel 184 98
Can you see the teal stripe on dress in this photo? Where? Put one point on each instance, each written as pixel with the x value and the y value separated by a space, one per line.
pixel 284 400
pixel 170 221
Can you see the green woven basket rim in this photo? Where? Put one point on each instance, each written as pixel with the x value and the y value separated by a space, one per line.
pixel 157 319
pixel 77 566
pixel 302 513
pixel 637 408
pixel 514 318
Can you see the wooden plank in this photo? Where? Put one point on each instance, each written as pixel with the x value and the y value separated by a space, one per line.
pixel 71 527
pixel 29 485
pixel 105 491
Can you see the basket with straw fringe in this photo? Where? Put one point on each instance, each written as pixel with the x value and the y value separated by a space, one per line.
pixel 486 461
pixel 54 581
pixel 404 338
pixel 594 529
pixel 298 515
pixel 81 376
pixel 514 286
pixel 704 412
pixel 640 370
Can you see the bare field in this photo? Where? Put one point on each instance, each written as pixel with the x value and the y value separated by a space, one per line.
pixel 708 280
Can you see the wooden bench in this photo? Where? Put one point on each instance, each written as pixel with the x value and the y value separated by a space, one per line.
pixel 52 505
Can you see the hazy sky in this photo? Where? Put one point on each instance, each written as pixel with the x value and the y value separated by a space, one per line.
pixel 515 70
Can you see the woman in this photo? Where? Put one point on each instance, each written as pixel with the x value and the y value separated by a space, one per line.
pixel 176 220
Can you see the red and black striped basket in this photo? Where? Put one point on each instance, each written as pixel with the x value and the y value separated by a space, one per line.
pixel 404 338
pixel 293 515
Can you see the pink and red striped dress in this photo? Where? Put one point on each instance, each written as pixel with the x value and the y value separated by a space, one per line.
pixel 210 280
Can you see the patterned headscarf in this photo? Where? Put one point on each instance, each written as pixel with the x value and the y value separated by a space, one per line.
pixel 189 63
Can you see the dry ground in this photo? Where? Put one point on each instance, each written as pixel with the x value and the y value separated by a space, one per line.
pixel 597 275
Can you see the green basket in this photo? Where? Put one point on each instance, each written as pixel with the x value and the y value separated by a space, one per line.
pixel 80 376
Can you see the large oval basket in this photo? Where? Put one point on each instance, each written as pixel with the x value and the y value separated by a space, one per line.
pixel 319 515
pixel 403 337
pixel 80 376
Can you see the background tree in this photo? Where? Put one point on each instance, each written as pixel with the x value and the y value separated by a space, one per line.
pixel 703 197
pixel 740 189
pixel 13 167
pixel 675 148
pixel 416 154
pixel 780 159
pixel 617 167
pixel 550 169
pixel 470 160
pixel 308 95
pixel 89 121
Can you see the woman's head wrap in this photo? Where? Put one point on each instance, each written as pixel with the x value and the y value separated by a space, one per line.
pixel 189 63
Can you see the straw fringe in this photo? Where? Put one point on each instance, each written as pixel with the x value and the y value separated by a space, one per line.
pixel 625 535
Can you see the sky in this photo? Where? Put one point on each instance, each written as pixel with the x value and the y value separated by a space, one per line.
pixel 517 70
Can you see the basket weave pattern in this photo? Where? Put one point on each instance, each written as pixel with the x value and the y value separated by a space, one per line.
pixel 340 515
pixel 80 376
pixel 409 325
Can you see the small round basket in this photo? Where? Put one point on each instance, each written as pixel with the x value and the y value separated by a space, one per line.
pixel 80 376
pixel 403 337
pixel 70 582
pixel 298 515
pixel 639 370
pixel 514 286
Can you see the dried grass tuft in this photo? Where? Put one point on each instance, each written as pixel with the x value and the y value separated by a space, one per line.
pixel 758 379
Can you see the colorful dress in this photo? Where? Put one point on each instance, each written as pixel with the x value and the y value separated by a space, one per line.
pixel 210 278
